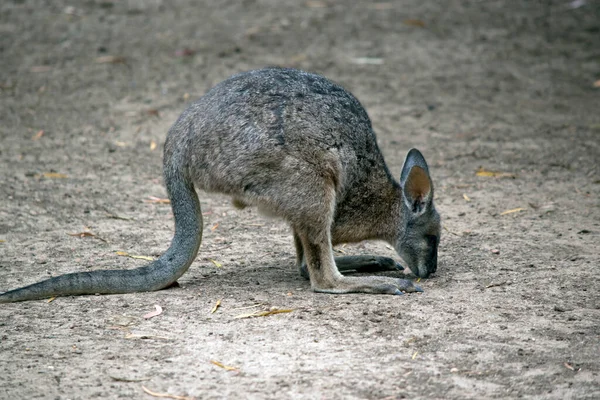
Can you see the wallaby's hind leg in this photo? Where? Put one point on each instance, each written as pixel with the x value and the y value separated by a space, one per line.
pixel 300 262
pixel 325 277
pixel 319 261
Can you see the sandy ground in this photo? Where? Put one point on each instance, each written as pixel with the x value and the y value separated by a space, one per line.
pixel 87 93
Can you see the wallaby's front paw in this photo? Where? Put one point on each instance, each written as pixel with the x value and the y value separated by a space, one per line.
pixel 389 264
pixel 378 263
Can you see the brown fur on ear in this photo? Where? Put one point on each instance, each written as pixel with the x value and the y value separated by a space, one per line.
pixel 417 188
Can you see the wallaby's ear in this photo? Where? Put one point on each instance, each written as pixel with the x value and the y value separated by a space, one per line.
pixel 416 183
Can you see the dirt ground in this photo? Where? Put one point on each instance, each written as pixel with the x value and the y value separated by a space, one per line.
pixel 87 92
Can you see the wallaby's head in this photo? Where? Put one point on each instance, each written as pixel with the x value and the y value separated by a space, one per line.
pixel 419 234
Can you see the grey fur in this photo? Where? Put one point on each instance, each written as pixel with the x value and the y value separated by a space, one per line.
pixel 300 147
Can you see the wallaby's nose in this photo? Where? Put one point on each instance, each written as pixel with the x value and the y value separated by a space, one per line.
pixel 422 272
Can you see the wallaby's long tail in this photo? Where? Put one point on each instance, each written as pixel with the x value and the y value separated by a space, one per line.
pixel 154 276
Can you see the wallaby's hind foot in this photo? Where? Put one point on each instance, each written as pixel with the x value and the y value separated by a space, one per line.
pixel 372 284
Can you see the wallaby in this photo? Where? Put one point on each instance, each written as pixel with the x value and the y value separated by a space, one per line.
pixel 300 147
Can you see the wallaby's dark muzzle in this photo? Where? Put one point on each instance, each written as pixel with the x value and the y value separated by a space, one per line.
pixel 429 264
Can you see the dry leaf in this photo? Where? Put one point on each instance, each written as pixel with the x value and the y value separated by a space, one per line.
pixel 38 135
pixel 225 367
pixel 2 240
pixel 82 234
pixel 156 200
pixel 41 68
pixel 70 10
pixel 125 254
pixel 217 264
pixel 51 299
pixel 115 216
pixel 514 210
pixel 153 145
pixel 367 61
pixel 120 379
pixel 217 304
pixel 110 60
pixel 215 226
pixel 496 284
pixel 185 52
pixel 576 4
pixel 315 4
pixel 447 230
pixel 54 175
pixel 410 340
pixel 153 111
pixel 154 313
pixel 166 395
pixel 569 366
pixel 264 313
pixel 414 22
pixel 382 6
pixel 144 336
pixel 467 198
pixel 494 174
pixel 298 58
pixel 86 234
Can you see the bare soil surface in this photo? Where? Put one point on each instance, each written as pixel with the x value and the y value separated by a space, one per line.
pixel 87 92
